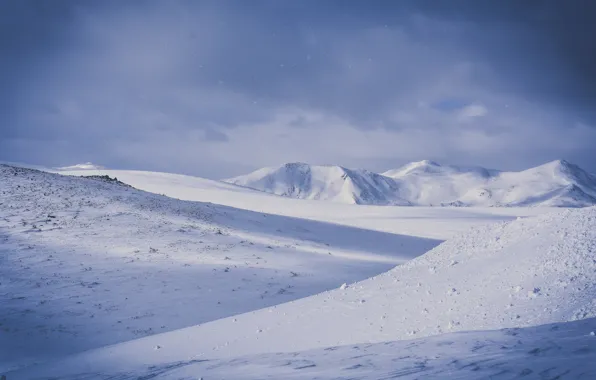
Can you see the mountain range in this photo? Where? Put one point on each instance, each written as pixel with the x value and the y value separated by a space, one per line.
pixel 427 183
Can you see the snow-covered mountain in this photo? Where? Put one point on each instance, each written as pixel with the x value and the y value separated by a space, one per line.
pixel 83 166
pixel 427 183
pixel 327 183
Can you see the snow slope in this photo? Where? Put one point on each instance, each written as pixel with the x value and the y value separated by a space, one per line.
pixel 436 222
pixel 87 262
pixel 522 273
pixel 556 351
pixel 428 183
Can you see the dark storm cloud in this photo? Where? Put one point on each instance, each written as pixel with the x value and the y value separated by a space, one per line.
pixel 157 84
pixel 543 48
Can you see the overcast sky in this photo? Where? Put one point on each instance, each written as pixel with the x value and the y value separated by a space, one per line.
pixel 218 88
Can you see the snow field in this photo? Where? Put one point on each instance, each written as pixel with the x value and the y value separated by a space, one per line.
pixel 524 273
pixel 89 262
pixel 102 281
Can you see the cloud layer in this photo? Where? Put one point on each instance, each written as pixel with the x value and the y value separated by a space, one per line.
pixel 219 88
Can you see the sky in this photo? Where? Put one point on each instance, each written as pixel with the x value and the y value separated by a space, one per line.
pixel 219 88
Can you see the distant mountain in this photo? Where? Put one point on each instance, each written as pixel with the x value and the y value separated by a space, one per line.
pixel 431 184
pixel 427 183
pixel 83 166
pixel 327 183
pixel 431 167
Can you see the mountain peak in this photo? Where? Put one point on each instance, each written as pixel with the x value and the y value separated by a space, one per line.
pixel 303 165
pixel 293 165
pixel 322 182
pixel 564 162
pixel 558 163
pixel 424 166
pixel 290 167
pixel 561 167
pixel 424 163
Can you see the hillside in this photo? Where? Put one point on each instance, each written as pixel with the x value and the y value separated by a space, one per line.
pixel 87 262
pixel 562 351
pixel 523 273
pixel 555 351
pixel 427 183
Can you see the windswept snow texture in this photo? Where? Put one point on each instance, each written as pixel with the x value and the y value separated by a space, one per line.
pixel 523 273
pixel 556 351
pixel 427 183
pixel 87 262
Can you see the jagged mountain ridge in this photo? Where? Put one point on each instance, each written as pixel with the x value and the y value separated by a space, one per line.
pixel 427 183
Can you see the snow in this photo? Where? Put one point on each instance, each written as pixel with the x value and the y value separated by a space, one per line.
pixel 83 166
pixel 83 260
pixel 498 269
pixel 556 351
pixel 329 183
pixel 558 183
pixel 436 223
pixel 104 280
pixel 427 183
